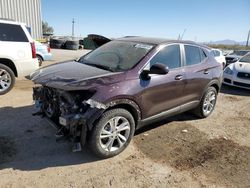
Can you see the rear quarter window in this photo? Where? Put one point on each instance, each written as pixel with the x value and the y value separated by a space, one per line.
pixel 12 33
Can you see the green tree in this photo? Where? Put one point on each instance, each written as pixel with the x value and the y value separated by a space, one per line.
pixel 47 28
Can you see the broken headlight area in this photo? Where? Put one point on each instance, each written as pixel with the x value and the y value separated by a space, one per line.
pixel 66 109
pixel 95 104
pixel 55 103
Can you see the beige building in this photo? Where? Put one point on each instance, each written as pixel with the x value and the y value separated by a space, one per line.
pixel 26 11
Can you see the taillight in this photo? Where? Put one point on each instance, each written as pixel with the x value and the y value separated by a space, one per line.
pixel 33 49
pixel 48 48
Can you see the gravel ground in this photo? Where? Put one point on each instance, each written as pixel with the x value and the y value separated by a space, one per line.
pixel 182 151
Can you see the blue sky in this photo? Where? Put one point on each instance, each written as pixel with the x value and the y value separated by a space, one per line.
pixel 204 20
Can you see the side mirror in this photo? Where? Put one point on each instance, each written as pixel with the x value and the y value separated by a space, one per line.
pixel 158 68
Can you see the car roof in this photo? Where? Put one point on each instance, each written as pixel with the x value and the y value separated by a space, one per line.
pixel 156 41
pixel 216 49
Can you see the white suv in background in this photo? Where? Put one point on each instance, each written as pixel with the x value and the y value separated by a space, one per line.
pixel 220 58
pixel 17 54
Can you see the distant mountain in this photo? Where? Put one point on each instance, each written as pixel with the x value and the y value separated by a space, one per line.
pixel 227 42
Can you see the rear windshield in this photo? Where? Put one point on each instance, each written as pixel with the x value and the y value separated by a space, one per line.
pixel 245 59
pixel 117 55
pixel 12 33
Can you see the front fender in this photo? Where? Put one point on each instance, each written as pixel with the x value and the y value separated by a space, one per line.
pixel 93 113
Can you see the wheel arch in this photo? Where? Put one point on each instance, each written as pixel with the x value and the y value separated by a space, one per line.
pixel 38 54
pixel 214 83
pixel 129 108
pixel 126 104
pixel 10 64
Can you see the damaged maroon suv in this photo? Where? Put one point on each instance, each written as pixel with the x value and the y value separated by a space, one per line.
pixel 106 95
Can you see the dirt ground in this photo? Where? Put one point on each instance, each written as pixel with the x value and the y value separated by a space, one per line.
pixel 182 151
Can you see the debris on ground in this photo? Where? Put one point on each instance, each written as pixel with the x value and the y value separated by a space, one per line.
pixel 184 131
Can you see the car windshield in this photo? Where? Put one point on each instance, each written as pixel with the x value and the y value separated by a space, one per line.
pixel 245 59
pixel 239 53
pixel 117 56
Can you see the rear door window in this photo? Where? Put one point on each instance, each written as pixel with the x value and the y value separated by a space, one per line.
pixel 12 33
pixel 194 55
pixel 169 56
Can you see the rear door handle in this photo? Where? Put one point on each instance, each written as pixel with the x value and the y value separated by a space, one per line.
pixel 206 71
pixel 178 77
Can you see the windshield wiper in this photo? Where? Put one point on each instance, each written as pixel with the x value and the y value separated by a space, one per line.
pixel 99 66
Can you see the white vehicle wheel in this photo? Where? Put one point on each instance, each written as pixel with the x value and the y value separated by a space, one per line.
pixel 7 79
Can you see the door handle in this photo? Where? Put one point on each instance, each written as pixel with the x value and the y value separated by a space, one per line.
pixel 206 71
pixel 178 77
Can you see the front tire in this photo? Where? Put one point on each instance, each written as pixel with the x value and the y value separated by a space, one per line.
pixel 207 103
pixel 7 79
pixel 112 133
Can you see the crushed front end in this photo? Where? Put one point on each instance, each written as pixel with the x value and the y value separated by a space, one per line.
pixel 70 111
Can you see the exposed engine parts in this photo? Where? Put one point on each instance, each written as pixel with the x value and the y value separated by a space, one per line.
pixel 66 110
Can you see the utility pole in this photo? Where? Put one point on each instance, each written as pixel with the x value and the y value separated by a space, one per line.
pixel 183 33
pixel 73 27
pixel 179 37
pixel 248 38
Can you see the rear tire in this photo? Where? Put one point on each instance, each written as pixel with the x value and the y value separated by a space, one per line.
pixel 40 60
pixel 57 43
pixel 112 133
pixel 72 45
pixel 207 103
pixel 7 79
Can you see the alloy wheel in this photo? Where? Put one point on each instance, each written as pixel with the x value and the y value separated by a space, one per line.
pixel 209 102
pixel 5 80
pixel 114 134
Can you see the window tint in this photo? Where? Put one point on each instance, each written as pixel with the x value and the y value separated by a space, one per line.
pixel 194 55
pixel 169 56
pixel 216 53
pixel 202 54
pixel 14 33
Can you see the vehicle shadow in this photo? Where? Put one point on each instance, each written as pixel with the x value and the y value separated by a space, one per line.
pixel 28 143
pixel 234 90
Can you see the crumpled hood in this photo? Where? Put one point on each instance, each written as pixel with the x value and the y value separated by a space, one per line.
pixel 73 75
pixel 242 67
